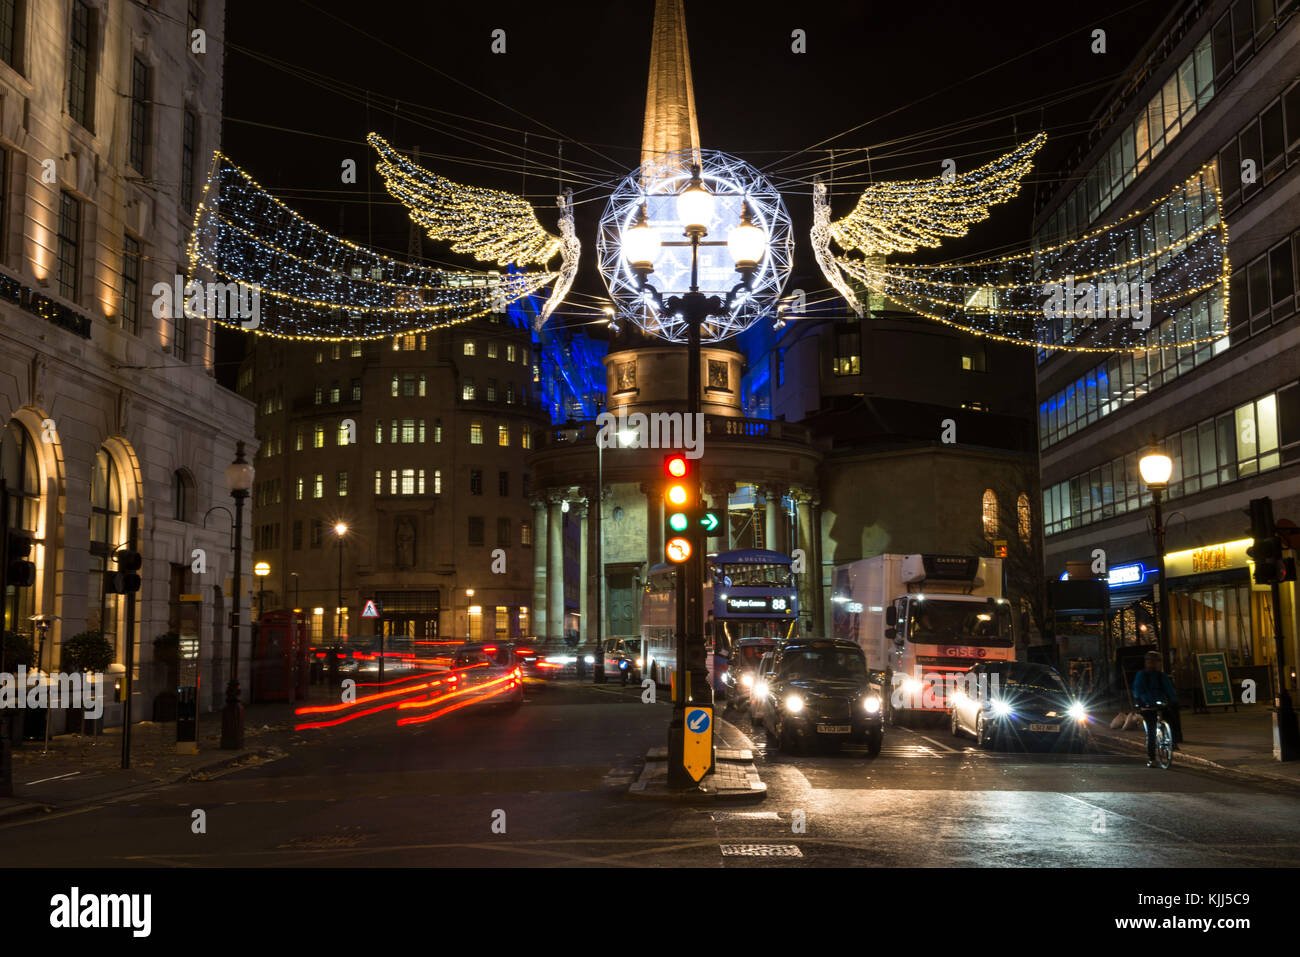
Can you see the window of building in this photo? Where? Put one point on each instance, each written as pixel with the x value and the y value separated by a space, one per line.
pixel 180 333
pixel 990 514
pixel 437 430
pixel 69 246
pixel 319 395
pixel 491 391
pixel 81 66
pixel 467 388
pixel 475 481
pixel 341 484
pixel 510 352
pixel 848 352
pixel 298 489
pixel 189 152
pixel 318 486
pixel 334 393
pixel 437 481
pixel 379 481
pixel 183 500
pixel 297 534
pixel 503 483
pixel 525 533
pixel 503 532
pixel 11 33
pixel 469 347
pixel 476 433
pixel 356 390
pixel 344 436
pixel 317 532
pixel 503 435
pixel 130 284
pixel 476 530
pixel 525 438
pixel 356 350
pixel 1024 518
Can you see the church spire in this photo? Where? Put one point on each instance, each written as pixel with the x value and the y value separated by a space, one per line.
pixel 670 122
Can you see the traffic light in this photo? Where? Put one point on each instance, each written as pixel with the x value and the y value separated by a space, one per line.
pixel 124 581
pixel 20 572
pixel 678 508
pixel 1266 552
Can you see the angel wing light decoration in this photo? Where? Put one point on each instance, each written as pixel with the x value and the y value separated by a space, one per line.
pixel 903 216
pixel 489 224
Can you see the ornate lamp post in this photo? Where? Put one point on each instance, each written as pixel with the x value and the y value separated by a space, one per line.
pixel 747 244
pixel 239 479
pixel 1156 467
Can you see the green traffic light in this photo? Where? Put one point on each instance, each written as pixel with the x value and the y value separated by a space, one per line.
pixel 677 521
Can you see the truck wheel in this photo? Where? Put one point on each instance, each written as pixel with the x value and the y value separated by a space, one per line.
pixel 874 740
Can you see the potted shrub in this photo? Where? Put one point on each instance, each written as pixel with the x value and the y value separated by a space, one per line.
pixel 87 652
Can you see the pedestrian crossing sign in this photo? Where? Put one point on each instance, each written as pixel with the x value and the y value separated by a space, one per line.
pixel 371 610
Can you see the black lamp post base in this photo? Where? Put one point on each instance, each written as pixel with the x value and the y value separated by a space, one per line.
pixel 232 720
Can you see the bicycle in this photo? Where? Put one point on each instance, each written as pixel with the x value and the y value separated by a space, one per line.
pixel 1164 735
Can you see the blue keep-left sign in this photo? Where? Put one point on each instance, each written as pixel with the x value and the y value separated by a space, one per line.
pixel 697 720
pixel 697 746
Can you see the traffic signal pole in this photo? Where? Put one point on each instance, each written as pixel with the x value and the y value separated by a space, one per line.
pixel 1266 551
pixel 133 533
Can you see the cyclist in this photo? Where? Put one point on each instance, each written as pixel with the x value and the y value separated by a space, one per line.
pixel 1151 685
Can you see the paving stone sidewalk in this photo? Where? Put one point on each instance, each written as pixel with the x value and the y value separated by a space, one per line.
pixel 1238 742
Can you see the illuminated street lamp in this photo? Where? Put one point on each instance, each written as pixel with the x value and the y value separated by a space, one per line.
pixel 1156 468
pixel 340 529
pixel 261 570
pixel 748 245
pixel 239 479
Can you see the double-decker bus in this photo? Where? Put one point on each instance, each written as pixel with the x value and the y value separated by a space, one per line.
pixel 748 593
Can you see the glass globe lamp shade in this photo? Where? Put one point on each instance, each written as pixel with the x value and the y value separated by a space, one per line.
pixel 695 206
pixel 1156 468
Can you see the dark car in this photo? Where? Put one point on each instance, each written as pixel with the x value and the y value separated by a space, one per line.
pixel 493 671
pixel 1016 702
pixel 821 692
pixel 742 670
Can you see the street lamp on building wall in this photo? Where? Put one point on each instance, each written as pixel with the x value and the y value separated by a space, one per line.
pixel 1156 468
pixel 748 244
pixel 239 479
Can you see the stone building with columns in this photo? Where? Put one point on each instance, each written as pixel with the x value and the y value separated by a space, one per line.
pixel 110 414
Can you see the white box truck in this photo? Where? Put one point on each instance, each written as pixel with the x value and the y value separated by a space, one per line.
pixel 922 619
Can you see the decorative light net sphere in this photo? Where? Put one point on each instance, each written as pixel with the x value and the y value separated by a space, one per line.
pixel 656 186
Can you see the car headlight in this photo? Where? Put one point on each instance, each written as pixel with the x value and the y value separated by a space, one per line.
pixel 747 680
pixel 639 662
pixel 872 704
pixel 793 703
pixel 1001 708
pixel 1077 711
pixel 912 686
pixel 589 660
pixel 760 688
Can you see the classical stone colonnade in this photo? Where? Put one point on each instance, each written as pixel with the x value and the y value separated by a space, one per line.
pixel 781 531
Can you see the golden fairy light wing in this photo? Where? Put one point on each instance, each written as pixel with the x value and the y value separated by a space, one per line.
pixel 489 224
pixel 903 216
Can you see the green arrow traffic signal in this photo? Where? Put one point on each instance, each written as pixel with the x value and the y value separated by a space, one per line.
pixel 709 520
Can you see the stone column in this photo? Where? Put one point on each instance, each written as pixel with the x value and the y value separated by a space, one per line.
pixel 774 525
pixel 654 523
pixel 815 558
pixel 537 620
pixel 719 494
pixel 584 584
pixel 803 540
pixel 555 568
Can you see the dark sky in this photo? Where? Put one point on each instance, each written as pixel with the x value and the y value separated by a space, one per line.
pixel 307 79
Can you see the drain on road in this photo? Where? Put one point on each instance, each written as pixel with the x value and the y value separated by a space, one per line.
pixel 761 850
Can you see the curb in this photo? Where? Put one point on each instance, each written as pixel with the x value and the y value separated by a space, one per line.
pixel 1186 757
pixel 35 809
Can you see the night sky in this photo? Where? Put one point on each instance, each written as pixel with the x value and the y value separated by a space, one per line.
pixel 305 81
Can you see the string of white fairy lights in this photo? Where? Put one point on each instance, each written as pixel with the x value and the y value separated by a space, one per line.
pixel 317 286
pixel 1101 292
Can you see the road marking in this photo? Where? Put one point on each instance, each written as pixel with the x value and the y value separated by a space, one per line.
pixel 761 850
pixel 923 737
pixel 723 816
pixel 57 777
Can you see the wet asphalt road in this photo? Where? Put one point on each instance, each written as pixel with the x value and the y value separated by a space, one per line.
pixel 545 785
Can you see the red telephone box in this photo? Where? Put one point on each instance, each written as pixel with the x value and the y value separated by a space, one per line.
pixel 280 657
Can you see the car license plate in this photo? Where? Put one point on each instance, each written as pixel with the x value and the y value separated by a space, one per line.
pixel 834 729
pixel 1053 728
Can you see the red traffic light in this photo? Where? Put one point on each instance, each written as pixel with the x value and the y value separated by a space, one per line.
pixel 675 465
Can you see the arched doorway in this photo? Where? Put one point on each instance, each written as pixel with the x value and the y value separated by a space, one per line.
pixel 21 471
